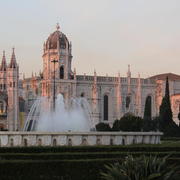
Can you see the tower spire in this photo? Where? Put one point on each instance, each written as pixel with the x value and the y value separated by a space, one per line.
pixel 94 88
pixel 13 63
pixel 3 63
pixel 138 96
pixel 23 76
pixel 129 79
pixel 118 97
pixel 95 77
pixel 13 123
pixel 95 108
pixel 74 73
pixel 57 27
pixel 129 71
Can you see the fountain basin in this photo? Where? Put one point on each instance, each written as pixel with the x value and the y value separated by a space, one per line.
pixel 21 139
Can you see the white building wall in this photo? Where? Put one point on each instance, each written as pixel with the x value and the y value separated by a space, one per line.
pixel 107 86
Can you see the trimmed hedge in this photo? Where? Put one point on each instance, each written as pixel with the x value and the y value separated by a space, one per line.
pixel 72 163
pixel 134 148
pixel 170 138
pixel 81 156
pixel 51 170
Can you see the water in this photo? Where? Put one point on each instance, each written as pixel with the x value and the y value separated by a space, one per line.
pixel 73 115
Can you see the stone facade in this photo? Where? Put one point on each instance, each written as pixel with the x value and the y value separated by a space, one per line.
pixel 10 139
pixel 9 94
pixel 109 97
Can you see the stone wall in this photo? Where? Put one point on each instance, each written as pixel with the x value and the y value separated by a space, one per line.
pixel 108 86
pixel 10 139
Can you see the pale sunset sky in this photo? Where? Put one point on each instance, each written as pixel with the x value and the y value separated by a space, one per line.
pixel 106 35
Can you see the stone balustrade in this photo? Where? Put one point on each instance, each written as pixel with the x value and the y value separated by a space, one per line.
pixel 13 139
pixel 124 81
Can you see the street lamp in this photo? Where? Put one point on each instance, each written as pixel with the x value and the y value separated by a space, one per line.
pixel 54 86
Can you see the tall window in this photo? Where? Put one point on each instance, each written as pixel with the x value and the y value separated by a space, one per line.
pixel 61 72
pixel 105 108
pixel 128 101
pixel 2 107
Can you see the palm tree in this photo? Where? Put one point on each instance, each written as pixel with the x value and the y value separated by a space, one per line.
pixel 140 168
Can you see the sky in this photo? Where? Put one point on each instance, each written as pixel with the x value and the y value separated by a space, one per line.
pixel 106 35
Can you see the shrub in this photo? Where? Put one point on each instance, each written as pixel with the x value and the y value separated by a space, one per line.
pixel 140 168
pixel 116 125
pixel 103 127
pixel 151 124
pixel 128 122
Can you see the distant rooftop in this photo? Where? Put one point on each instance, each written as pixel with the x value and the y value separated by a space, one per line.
pixel 171 76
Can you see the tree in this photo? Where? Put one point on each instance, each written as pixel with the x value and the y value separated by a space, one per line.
pixel 167 125
pixel 151 125
pixel 103 127
pixel 116 125
pixel 128 122
pixel 141 168
pixel 165 108
pixel 147 109
pixel 179 117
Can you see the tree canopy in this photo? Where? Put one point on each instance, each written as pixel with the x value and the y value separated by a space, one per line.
pixel 165 112
pixel 128 122
pixel 147 109
pixel 103 127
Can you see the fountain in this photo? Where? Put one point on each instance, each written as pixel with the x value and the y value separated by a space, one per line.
pixel 69 123
pixel 72 115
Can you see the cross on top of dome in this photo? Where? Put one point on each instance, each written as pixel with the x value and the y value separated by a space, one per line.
pixel 57 27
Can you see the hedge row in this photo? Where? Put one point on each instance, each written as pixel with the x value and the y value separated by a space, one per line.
pixel 51 170
pixel 71 156
pixel 135 148
pixel 170 138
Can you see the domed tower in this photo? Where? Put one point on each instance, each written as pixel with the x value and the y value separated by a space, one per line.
pixel 57 74
pixel 57 47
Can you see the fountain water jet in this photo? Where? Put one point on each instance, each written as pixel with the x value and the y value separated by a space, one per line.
pixel 73 115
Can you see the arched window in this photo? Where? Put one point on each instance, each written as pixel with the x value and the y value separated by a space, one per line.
pixel 128 101
pixel 105 108
pixel 1 107
pixel 2 127
pixel 61 72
